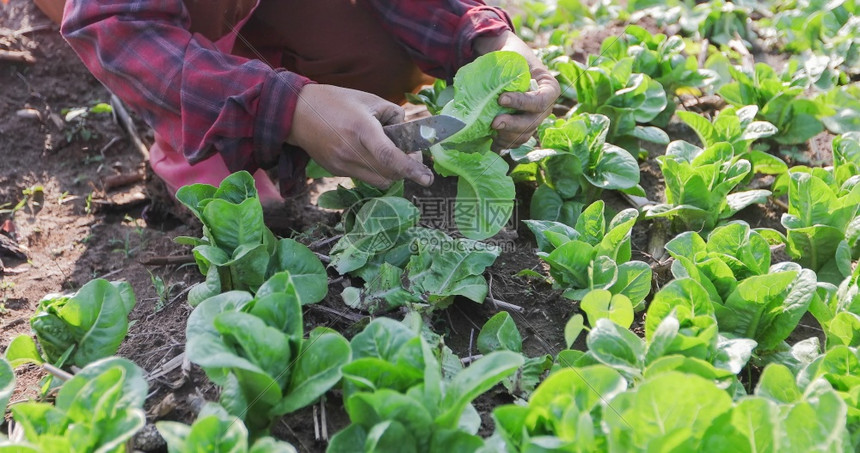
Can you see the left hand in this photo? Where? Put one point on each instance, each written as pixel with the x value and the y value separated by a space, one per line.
pixel 532 107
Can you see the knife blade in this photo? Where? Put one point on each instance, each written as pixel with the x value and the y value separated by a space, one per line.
pixel 420 134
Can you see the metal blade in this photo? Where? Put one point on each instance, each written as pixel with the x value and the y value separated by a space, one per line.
pixel 420 134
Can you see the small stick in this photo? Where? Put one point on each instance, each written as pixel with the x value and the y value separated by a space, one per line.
pixel 504 305
pixel 470 359
pixel 167 260
pixel 316 424
pixel 779 203
pixel 323 419
pixel 347 316
pixel 123 179
pixel 323 258
pixel 16 56
pixel 112 142
pixel 323 242
pixel 31 29
pixel 471 340
pixel 62 374
pixel 125 121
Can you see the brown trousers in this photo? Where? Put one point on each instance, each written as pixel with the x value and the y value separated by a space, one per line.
pixel 337 42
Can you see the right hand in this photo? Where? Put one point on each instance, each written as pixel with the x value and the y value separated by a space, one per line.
pixel 341 129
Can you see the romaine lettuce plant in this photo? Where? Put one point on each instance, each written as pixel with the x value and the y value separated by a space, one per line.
pixel 98 410
pixel 398 398
pixel 780 103
pixel 593 255
pixel 750 298
pixel 630 100
pixel 253 346
pixel 698 186
pixel 823 221
pixel 657 56
pixel 500 333
pixel 837 310
pixel 76 329
pixel 737 126
pixel 574 165
pixel 237 251
pixel 403 264
pixel 483 182
pixel 216 430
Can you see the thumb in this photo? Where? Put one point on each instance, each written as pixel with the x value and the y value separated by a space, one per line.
pixel 393 162
pixel 389 113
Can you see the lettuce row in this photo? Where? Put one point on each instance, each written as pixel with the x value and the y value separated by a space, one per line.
pixel 591 409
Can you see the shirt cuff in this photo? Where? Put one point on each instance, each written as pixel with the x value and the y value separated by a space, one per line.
pixel 274 119
pixel 479 21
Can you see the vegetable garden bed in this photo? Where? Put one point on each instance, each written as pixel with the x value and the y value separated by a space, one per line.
pixel 670 265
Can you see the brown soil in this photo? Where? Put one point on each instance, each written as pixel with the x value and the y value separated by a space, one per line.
pixel 78 232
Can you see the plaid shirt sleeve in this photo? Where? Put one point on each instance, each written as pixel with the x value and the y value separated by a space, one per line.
pixel 198 99
pixel 201 100
pixel 438 34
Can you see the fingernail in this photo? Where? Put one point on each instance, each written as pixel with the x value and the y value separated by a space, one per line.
pixel 426 179
pixel 505 101
pixel 501 126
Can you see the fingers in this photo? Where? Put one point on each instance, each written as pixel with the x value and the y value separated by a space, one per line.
pixel 389 113
pixel 393 163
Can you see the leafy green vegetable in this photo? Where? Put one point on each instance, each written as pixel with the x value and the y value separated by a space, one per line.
pixel 593 255
pixel 698 185
pixel 253 347
pixel 98 410
pixel 237 251
pixel 403 264
pixel 780 103
pixel 216 430
pixel 500 334
pixel 738 128
pixel 575 164
pixel 7 383
pixel 79 328
pixel 613 89
pixel 398 399
pixel 822 221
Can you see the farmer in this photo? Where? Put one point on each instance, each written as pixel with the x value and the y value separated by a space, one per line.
pixel 232 85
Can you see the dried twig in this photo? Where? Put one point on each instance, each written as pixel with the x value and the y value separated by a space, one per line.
pixel 61 374
pixel 348 316
pixel 505 305
pixel 122 179
pixel 17 56
pixel 779 203
pixel 323 242
pixel 127 124
pixel 323 258
pixel 470 359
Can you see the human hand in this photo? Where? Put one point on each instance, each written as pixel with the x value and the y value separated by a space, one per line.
pixel 531 107
pixel 341 129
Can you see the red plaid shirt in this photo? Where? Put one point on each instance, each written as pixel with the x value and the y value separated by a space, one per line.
pixel 200 100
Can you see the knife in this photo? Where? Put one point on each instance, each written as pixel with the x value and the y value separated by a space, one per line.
pixel 420 134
